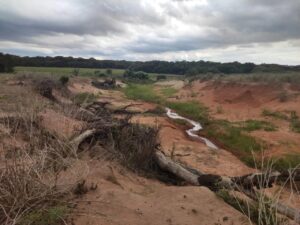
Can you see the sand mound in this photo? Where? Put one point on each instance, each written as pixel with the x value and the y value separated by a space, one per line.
pixel 246 98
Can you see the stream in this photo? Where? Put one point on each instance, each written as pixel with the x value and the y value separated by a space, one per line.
pixel 191 132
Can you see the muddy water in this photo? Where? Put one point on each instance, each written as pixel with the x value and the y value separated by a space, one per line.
pixel 192 132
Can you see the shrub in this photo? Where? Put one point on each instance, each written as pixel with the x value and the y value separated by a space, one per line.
pixel 136 76
pixel 109 72
pixel 75 72
pixel 64 80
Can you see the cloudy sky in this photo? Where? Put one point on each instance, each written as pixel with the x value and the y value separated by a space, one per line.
pixel 260 31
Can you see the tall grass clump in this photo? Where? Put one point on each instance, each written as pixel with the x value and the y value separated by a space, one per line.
pixel 29 175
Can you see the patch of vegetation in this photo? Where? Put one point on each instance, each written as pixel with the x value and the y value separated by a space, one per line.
pixel 136 77
pixel 295 122
pixel 168 91
pixel 286 162
pixel 192 109
pixel 261 213
pixel 274 114
pixel 64 80
pixel 75 72
pixel 51 216
pixel 84 98
pixel 234 139
pixel 252 125
pixel 142 92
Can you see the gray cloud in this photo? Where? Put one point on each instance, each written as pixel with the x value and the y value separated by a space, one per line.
pixel 120 28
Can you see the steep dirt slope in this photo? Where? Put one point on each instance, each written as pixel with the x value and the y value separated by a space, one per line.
pixel 124 198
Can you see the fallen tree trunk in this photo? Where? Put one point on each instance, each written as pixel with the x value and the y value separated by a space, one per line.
pixel 244 184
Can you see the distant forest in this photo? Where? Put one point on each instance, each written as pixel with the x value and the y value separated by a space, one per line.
pixel 7 62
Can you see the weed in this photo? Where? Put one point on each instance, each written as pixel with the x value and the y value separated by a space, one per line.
pixel 286 162
pixel 252 125
pixel 275 114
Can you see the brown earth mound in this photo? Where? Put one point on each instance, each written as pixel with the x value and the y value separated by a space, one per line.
pixel 247 99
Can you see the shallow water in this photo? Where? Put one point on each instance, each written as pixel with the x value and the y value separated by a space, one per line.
pixel 191 132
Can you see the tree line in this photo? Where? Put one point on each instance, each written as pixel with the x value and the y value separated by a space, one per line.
pixel 7 62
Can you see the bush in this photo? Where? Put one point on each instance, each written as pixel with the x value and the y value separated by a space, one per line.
pixel 109 72
pixel 64 80
pixel 136 76
pixel 75 72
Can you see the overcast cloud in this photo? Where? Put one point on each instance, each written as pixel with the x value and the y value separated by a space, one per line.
pixel 260 31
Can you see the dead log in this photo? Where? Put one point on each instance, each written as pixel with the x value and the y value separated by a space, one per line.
pixel 79 139
pixel 244 184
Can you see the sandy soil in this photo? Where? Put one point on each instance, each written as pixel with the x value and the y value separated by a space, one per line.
pixel 123 198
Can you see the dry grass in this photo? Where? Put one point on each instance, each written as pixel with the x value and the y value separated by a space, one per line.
pixel 29 173
pixel 265 210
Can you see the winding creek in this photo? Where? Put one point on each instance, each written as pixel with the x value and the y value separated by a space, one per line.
pixel 192 132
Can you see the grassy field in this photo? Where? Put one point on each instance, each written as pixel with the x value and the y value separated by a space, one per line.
pixel 67 71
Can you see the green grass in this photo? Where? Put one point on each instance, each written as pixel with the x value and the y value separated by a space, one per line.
pixel 286 162
pixel 67 71
pixel 274 114
pixel 295 125
pixel 51 216
pixel 168 92
pixel 233 138
pixel 83 71
pixel 252 125
pixel 142 92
